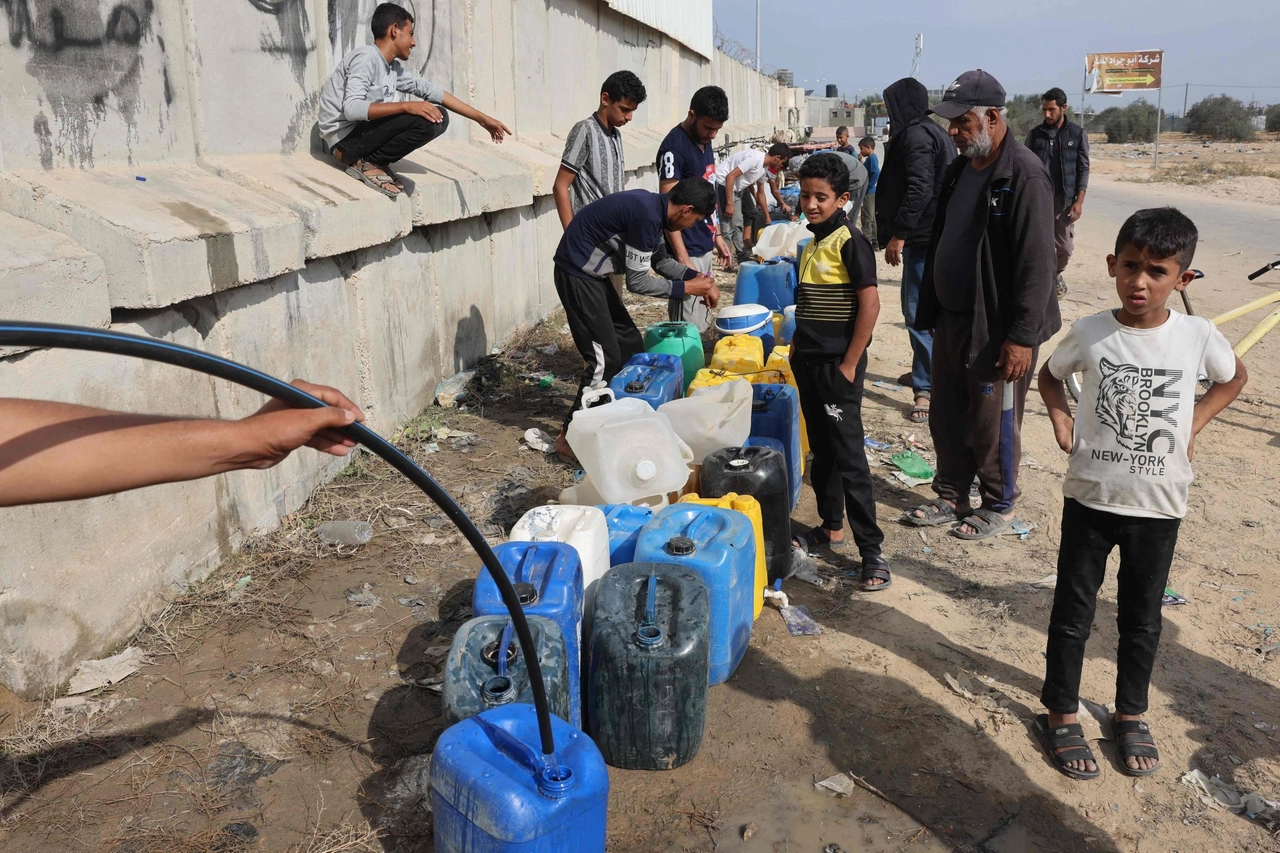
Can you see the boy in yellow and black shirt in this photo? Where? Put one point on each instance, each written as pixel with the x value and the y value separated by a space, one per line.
pixel 836 308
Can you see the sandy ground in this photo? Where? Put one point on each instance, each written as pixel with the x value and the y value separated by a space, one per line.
pixel 288 707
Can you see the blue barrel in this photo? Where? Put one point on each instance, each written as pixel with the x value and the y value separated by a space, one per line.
pixel 775 413
pixel 795 262
pixel 720 545
pixel 548 579
pixel 625 522
pixel 771 284
pixel 492 791
pixel 485 668
pixel 654 377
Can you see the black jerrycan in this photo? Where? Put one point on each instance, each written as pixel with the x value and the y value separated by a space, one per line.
pixel 762 473
pixel 650 659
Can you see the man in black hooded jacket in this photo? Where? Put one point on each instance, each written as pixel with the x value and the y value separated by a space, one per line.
pixel 916 158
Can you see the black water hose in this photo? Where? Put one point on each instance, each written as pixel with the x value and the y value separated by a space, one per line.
pixel 99 340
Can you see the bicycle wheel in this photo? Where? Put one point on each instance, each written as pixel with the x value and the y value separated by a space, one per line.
pixel 1073 386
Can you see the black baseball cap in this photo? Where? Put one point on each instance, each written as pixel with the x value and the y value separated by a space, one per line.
pixel 971 89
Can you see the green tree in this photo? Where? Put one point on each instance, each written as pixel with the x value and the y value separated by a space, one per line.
pixel 1135 122
pixel 1273 118
pixel 1221 117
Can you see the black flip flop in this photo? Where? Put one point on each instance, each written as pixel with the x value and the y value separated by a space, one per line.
pixel 817 537
pixel 936 512
pixel 876 568
pixel 1133 739
pixel 1069 737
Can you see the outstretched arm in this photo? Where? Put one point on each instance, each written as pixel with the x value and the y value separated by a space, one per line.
pixel 497 130
pixel 60 452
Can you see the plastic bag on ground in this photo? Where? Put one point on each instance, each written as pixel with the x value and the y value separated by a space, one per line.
pixel 713 417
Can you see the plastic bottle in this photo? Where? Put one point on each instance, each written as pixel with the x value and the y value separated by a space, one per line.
pixel 345 532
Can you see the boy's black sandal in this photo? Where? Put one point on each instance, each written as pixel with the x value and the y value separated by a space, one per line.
pixel 1133 739
pixel 817 537
pixel 875 569
pixel 1070 739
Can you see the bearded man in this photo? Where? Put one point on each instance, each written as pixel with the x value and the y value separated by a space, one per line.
pixel 988 297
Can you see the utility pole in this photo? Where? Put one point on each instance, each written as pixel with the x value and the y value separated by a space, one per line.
pixel 915 63
pixel 757 35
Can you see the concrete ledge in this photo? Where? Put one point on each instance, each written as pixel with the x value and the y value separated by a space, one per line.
pixel 47 276
pixel 180 233
pixel 542 166
pixel 448 181
pixel 339 214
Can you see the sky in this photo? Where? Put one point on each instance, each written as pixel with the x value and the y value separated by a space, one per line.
pixel 1029 45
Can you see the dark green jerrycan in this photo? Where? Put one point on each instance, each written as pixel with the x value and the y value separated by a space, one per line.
pixel 650 655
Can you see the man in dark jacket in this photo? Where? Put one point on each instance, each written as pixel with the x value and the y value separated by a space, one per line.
pixel 1063 147
pixel 916 158
pixel 988 297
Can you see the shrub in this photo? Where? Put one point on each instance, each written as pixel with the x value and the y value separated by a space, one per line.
pixel 1273 118
pixel 1133 123
pixel 1221 117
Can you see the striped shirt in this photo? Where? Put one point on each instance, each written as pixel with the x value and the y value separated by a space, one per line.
pixel 594 155
pixel 836 264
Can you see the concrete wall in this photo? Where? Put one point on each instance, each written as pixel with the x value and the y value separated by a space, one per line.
pixel 160 174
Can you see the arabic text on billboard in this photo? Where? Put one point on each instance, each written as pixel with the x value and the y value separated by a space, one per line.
pixel 1114 72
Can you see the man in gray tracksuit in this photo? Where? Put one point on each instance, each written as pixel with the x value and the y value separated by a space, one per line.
pixel 988 297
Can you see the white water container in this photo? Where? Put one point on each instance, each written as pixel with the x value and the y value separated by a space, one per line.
pixel 583 493
pixel 712 418
pixel 779 240
pixel 629 451
pixel 583 527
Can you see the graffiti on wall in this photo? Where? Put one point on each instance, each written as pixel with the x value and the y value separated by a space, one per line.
pixel 349 28
pixel 294 41
pixel 81 58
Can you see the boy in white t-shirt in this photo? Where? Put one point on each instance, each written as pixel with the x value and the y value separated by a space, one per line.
pixel 745 169
pixel 1131 446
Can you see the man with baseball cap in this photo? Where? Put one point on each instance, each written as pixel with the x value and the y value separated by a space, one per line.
pixel 988 297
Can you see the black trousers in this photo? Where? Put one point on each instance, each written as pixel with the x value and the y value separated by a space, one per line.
pixel 839 471
pixel 383 141
pixel 602 329
pixel 1146 551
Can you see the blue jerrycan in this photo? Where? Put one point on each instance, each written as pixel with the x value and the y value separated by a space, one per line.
pixel 492 791
pixel 625 522
pixel 654 377
pixel 720 546
pixel 771 284
pixel 775 414
pixel 650 657
pixel 485 668
pixel 548 579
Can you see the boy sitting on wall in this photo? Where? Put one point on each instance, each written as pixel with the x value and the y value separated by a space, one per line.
pixel 367 120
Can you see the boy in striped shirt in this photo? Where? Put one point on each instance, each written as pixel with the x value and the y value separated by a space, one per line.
pixel 837 304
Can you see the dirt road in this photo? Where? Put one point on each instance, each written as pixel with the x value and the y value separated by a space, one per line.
pixel 288 700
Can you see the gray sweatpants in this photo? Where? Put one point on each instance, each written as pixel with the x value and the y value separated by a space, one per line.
pixel 691 308
pixel 975 419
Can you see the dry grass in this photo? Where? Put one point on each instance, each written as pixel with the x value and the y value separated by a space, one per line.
pixel 1199 173
pixel 42 746
pixel 341 839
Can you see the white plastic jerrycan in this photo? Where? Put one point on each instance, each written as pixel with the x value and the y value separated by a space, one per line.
pixel 713 417
pixel 629 451
pixel 583 527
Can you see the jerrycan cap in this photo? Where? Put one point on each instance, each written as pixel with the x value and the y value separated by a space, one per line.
pixel 681 546
pixel 645 470
pixel 527 593
pixel 739 462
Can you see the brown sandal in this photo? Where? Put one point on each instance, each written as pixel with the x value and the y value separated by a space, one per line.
pixel 384 184
pixel 920 411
